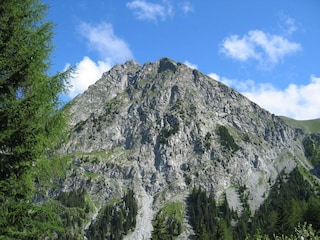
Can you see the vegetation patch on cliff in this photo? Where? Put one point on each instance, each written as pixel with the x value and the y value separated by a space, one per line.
pixel 168 222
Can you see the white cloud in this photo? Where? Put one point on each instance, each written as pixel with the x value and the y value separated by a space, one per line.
pixel 214 76
pixel 275 47
pixel 295 101
pixel 191 65
pixel 145 10
pixel 267 49
pixel 102 39
pixel 87 72
pixel 240 49
pixel 112 49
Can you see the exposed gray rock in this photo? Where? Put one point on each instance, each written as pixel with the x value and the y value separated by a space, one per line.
pixel 153 128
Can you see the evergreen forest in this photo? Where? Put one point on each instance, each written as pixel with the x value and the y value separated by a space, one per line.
pixel 117 219
pixel 292 204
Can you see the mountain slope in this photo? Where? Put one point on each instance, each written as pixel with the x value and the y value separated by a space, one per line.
pixel 163 128
pixel 310 126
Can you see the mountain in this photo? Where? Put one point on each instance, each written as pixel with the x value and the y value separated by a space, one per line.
pixel 163 129
pixel 309 126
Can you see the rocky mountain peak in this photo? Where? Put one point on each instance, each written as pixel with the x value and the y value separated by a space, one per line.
pixel 163 128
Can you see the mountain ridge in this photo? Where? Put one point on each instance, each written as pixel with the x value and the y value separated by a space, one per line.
pixel 163 128
pixel 309 126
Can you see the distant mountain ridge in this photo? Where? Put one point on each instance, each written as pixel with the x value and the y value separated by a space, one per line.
pixel 163 128
pixel 309 126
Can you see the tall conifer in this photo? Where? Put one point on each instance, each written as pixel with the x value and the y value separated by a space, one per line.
pixel 30 119
pixel 29 98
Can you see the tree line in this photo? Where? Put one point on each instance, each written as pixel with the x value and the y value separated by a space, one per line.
pixel 116 220
pixel 292 203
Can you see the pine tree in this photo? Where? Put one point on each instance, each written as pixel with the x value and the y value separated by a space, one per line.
pixel 30 119
pixel 29 98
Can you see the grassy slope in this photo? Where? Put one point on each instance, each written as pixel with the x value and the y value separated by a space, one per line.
pixel 309 126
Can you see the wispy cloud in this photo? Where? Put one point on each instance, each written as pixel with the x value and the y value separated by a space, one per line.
pixel 266 48
pixel 145 10
pixel 287 24
pixel 241 86
pixel 112 49
pixel 101 38
pixel 295 101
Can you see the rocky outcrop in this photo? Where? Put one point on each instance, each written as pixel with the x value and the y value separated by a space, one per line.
pixel 155 129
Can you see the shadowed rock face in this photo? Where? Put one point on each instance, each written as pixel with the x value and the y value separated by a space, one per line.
pixel 163 128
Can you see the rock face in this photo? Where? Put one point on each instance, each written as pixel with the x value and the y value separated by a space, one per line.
pixel 163 128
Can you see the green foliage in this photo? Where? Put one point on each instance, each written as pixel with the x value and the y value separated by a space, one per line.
pixel 168 222
pixel 74 198
pixel 72 222
pixel 309 126
pixel 291 201
pixel 49 173
pixel 29 107
pixel 311 146
pixel 208 220
pixel 29 114
pixel 72 213
pixel 30 119
pixel 116 219
pixel 306 231
pixel 226 139
pixel 27 221
pixel 240 230
pixel 301 231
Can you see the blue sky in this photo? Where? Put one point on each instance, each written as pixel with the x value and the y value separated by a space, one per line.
pixel 267 50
